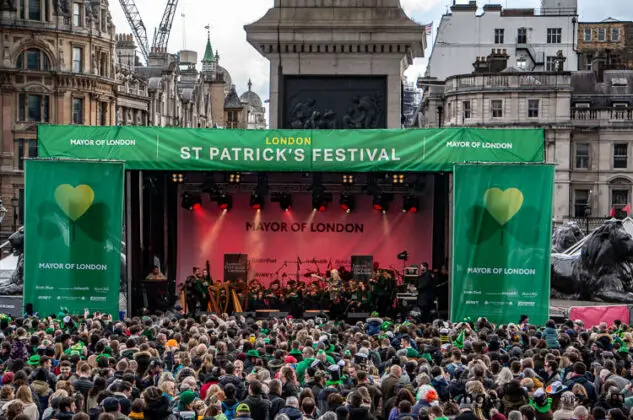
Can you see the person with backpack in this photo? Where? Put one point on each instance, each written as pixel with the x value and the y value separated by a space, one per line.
pixel 229 405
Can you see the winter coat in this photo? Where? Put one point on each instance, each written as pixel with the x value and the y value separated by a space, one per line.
pixel 43 392
pixel 276 404
pixel 512 402
pixel 158 410
pixel 292 412
pixel 260 408
pixel 550 335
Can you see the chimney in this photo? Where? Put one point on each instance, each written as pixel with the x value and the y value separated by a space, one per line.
pixel 597 66
pixel 470 7
pixel 498 61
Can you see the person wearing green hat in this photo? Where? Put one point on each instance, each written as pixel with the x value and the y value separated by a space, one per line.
pixel 243 412
pixel 185 400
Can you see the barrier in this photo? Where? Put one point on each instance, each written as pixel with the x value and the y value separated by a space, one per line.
pixel 594 315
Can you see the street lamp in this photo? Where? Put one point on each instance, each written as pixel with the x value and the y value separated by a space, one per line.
pixel 15 202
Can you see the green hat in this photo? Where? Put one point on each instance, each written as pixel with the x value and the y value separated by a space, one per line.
pixel 385 325
pixel 374 314
pixel 264 331
pixel 187 397
pixel 266 340
pixel 34 360
pixel 252 353
pixel 296 351
pixel 50 331
pixel 411 352
pixel 243 408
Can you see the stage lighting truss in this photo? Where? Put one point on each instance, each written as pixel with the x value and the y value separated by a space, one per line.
pixel 348 203
pixel 257 201
pixel 191 201
pixel 348 179
pixel 177 178
pixel 410 204
pixel 235 178
pixel 398 178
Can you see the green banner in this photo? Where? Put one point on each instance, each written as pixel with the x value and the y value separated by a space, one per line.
pixel 73 217
pixel 153 148
pixel 501 242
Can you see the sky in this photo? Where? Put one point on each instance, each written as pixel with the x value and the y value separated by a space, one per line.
pixel 228 17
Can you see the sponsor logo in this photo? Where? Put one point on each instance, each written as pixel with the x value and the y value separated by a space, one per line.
pixel 44 297
pixel 526 303
pixel 472 302
pixel 97 299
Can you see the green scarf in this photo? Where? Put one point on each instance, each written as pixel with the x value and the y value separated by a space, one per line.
pixel 339 382
pixel 543 409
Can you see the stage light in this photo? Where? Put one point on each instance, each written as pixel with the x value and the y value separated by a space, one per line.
pixel 381 202
pixel 191 201
pixel 398 178
pixel 348 203
pixel 257 201
pixel 348 179
pixel 285 202
pixel 410 204
pixel 235 178
pixel 320 199
pixel 225 202
pixel 177 178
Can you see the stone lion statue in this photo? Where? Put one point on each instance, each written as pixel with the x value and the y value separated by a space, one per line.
pixel 565 236
pixel 602 272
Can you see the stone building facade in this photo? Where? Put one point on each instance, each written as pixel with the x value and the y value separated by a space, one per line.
pixel 57 68
pixel 610 41
pixel 533 38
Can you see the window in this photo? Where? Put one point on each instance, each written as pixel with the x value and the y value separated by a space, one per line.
pixel 615 34
pixel 588 61
pixel 619 198
pixel 78 111
pixel 77 14
pixel 499 35
pixel 587 35
pixel 554 35
pixel 620 156
pixel 78 59
pixel 533 105
pixel 602 34
pixel 582 155
pixel 522 36
pixel 33 59
pixel 33 107
pixel 35 10
pixel 497 108
pixel 104 20
pixel 581 202
pixel 521 63
pixel 550 63
pixel 232 119
pixel 25 148
pixel 103 113
pixel 21 206
pixel 466 109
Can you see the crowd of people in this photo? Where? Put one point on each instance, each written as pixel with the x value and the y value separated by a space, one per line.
pixel 170 367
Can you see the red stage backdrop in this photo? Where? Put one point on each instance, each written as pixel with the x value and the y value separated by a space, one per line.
pixel 272 237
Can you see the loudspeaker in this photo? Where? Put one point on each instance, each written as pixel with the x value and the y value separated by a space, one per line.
pixel 358 315
pixel 314 314
pixel 245 314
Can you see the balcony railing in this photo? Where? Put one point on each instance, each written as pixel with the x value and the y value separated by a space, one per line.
pixel 508 81
pixel 602 115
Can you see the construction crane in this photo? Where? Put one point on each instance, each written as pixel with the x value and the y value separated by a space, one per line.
pixel 161 34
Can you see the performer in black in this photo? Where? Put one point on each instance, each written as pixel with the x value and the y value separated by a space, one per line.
pixel 426 292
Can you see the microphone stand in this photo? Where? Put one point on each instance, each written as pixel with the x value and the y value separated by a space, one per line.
pixel 276 275
pixel 298 269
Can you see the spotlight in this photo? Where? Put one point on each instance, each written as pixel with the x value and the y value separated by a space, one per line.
pixel 381 202
pixel 348 179
pixel 257 201
pixel 191 201
pixel 177 178
pixel 398 178
pixel 320 199
pixel 235 178
pixel 404 256
pixel 410 204
pixel 225 202
pixel 348 203
pixel 285 202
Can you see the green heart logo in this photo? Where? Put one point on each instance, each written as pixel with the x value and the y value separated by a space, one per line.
pixel 74 201
pixel 503 205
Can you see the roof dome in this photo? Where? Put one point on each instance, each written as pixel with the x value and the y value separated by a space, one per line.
pixel 226 76
pixel 251 97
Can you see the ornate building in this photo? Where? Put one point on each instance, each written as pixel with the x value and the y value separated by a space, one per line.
pixel 171 92
pixel 57 68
